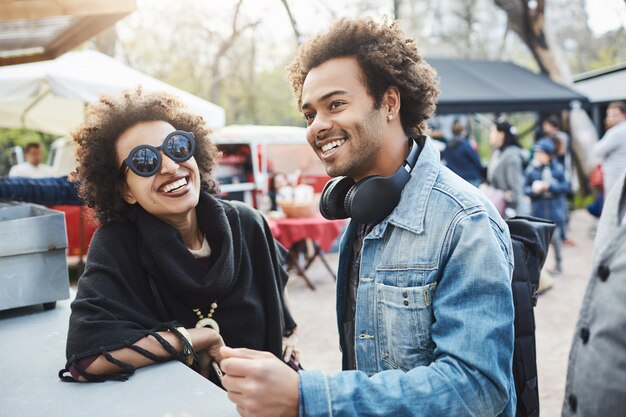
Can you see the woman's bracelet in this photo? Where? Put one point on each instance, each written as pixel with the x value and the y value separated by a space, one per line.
pixel 187 347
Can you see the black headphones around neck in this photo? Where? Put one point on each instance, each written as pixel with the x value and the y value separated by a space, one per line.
pixel 371 199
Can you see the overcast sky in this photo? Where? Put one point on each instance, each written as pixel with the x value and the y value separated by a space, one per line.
pixel 605 15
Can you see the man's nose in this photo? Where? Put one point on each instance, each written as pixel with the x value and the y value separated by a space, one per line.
pixel 319 125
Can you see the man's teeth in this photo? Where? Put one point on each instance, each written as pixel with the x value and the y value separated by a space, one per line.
pixel 332 145
pixel 175 185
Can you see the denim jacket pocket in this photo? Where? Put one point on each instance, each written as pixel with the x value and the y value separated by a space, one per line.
pixel 404 318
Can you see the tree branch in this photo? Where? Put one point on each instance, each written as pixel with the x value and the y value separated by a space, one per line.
pixel 294 24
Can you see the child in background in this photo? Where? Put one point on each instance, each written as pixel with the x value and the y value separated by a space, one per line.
pixel 547 188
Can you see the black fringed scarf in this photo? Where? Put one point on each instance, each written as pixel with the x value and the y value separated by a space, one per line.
pixel 140 278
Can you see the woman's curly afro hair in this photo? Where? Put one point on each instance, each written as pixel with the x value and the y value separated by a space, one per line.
pixel 386 57
pixel 98 168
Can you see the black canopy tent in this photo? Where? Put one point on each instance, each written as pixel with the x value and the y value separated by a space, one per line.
pixel 602 87
pixel 475 86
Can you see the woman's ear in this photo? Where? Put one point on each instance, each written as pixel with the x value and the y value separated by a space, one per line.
pixel 127 195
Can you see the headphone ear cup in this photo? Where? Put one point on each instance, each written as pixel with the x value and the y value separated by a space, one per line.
pixel 373 198
pixel 333 196
pixel 347 201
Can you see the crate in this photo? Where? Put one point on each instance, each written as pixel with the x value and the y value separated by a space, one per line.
pixel 33 263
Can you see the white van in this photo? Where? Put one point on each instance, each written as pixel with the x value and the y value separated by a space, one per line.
pixel 251 153
pixel 62 156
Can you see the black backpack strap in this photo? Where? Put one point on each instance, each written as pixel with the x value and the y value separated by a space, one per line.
pixel 524 353
pixel 530 238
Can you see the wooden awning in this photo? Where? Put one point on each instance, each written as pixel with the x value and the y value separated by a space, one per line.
pixel 38 30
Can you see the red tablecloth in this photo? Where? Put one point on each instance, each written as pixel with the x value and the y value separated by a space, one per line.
pixel 74 227
pixel 321 231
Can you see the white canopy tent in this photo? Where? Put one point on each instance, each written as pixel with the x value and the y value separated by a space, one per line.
pixel 50 96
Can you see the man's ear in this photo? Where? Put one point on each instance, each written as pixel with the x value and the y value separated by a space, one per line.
pixel 391 101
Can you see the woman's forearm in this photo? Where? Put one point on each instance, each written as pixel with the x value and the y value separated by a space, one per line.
pixel 202 339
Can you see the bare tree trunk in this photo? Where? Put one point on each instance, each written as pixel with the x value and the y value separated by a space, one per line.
pixel 529 24
pixel 503 44
pixel 397 4
pixel 294 24
pixel 252 100
pixel 217 79
pixel 467 15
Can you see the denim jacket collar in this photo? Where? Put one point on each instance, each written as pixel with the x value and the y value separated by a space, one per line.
pixel 412 206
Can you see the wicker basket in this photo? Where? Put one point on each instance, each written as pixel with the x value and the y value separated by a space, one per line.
pixel 295 211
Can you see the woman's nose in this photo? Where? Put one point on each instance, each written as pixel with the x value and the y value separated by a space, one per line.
pixel 168 166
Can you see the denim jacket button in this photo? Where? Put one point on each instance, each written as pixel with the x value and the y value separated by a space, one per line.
pixel 406 303
pixel 405 294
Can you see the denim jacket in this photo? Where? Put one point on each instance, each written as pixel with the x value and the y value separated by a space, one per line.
pixel 434 311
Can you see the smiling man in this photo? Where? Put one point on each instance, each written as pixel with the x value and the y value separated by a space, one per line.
pixel 424 304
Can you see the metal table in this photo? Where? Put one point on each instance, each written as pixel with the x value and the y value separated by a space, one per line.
pixel 32 350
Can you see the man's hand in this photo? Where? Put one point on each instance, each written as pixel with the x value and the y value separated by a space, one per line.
pixel 259 383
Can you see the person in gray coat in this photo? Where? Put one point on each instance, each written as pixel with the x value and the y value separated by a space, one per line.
pixel 596 375
pixel 506 168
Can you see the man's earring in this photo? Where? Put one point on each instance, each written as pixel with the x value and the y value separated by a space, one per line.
pixel 389 117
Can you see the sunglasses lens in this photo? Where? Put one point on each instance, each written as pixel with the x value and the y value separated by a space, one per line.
pixel 145 160
pixel 179 147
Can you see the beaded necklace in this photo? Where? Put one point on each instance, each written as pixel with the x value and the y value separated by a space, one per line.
pixel 208 320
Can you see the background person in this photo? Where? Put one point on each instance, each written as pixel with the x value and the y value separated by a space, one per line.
pixel 170 264
pixel 611 149
pixel 32 166
pixel 277 181
pixel 460 157
pixel 505 170
pixel 596 374
pixel 551 129
pixel 546 185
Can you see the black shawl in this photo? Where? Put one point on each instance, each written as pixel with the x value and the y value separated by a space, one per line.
pixel 140 278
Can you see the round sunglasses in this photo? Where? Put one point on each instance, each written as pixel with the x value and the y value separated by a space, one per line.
pixel 145 160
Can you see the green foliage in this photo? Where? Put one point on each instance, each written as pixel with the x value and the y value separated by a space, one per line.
pixel 267 101
pixel 606 57
pixel 20 137
pixel 581 201
pixel 231 56
pixel 524 122
pixel 215 54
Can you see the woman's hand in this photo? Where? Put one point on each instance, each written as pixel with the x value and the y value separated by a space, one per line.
pixel 290 346
pixel 206 339
pixel 207 342
pixel 204 363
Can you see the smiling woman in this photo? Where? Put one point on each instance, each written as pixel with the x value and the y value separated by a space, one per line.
pixel 170 272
